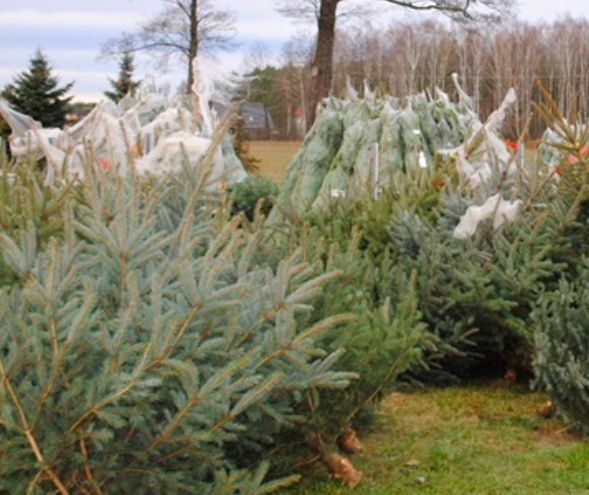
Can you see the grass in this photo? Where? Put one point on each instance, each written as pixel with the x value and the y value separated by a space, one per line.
pixel 274 157
pixel 480 439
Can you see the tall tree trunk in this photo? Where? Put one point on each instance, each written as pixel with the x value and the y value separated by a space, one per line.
pixel 322 69
pixel 193 45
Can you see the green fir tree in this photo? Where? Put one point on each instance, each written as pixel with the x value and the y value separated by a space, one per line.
pixel 125 83
pixel 144 350
pixel 36 92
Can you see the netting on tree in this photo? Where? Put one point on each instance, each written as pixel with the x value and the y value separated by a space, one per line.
pixel 357 145
pixel 151 130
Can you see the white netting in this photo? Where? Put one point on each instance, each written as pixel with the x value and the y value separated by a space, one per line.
pixel 354 137
pixel 360 144
pixel 495 207
pixel 149 130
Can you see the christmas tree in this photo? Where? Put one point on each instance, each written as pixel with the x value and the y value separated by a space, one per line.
pixel 143 348
pixel 561 347
pixel 561 337
pixel 125 84
pixel 452 220
pixel 37 93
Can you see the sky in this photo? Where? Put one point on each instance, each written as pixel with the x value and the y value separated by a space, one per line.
pixel 71 33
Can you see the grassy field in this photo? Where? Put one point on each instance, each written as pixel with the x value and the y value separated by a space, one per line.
pixel 483 439
pixel 274 157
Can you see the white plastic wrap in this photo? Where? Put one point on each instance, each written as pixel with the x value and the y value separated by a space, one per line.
pixel 19 122
pixel 495 207
pixel 153 131
pixel 173 152
pixel 485 151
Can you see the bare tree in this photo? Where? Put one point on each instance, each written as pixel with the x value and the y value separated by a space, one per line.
pixel 297 55
pixel 411 49
pixel 182 30
pixel 406 58
pixel 259 55
pixel 326 13
pixel 439 47
pixel 472 53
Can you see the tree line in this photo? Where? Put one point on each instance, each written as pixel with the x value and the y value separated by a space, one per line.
pixel 405 58
pixel 186 28
pixel 411 57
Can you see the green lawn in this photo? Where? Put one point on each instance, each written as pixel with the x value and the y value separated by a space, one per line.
pixel 480 439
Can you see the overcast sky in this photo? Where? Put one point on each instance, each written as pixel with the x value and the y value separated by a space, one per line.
pixel 71 33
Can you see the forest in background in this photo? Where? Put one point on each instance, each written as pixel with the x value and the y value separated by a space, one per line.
pixel 419 56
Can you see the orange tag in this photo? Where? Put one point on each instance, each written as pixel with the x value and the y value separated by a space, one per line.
pixel 104 163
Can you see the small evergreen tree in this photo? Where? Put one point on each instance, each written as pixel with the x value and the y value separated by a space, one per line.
pixel 253 193
pixel 561 342
pixel 124 84
pixel 37 93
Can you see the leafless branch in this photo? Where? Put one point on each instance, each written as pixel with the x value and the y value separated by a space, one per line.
pixel 169 33
pixel 460 10
pixel 308 10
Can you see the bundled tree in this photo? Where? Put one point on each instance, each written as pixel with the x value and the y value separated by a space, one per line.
pixel 125 83
pixel 475 292
pixel 37 93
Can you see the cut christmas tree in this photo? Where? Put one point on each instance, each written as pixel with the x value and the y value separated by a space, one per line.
pixel 142 350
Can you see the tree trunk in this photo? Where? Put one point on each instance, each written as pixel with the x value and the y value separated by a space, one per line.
pixel 304 107
pixel 322 69
pixel 193 45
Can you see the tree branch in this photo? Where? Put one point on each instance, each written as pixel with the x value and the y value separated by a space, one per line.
pixel 458 9
pixel 442 5
pixel 29 433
